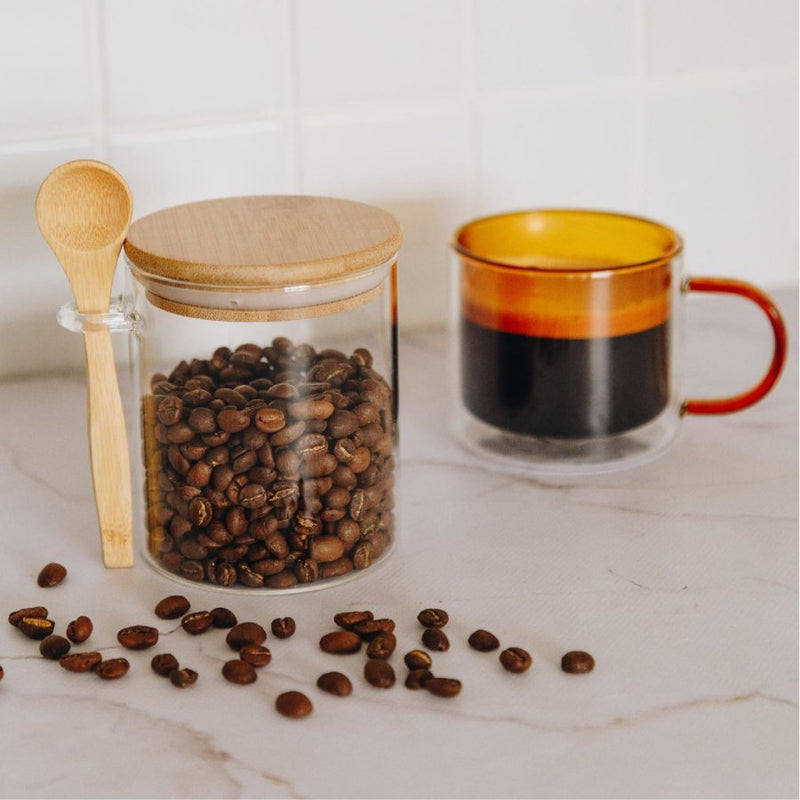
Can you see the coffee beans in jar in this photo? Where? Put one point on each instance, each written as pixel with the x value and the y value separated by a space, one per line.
pixel 270 467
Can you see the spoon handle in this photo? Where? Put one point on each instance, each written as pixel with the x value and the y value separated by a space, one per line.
pixel 108 451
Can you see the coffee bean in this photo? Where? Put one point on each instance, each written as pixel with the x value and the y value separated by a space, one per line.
pixel 172 607
pixel 382 646
pixel 2 673
pixel 112 668
pixel 417 659
pixel 577 662
pixel 340 643
pixel 379 673
pixel 182 677
pixel 515 659
pixel 484 641
pixel 346 619
pixel 293 705
pixel 326 548
pixel 80 662
pixel 283 627
pixel 443 687
pixel 138 637
pixel 36 627
pixel 238 671
pixel 169 410
pixel 269 420
pixel 369 629
pixel 223 617
pixel 34 612
pixel 163 664
pixel 51 575
pixel 435 639
pixel 417 678
pixel 335 683
pixel 245 633
pixel 433 618
pixel 256 655
pixel 80 629
pixel 54 646
pixel 197 622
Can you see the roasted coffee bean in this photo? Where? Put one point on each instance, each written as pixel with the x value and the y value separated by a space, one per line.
pixel 293 704
pixel 35 612
pixel 417 659
pixel 379 673
pixel 197 622
pixel 202 420
pixel 326 548
pixel 138 637
pixel 369 629
pixel 484 641
pixel 238 671
pixel 191 570
pixel 163 664
pixel 335 683
pixel 283 627
pixel 54 646
pixel 223 617
pixel 80 629
pixel 382 646
pixel 36 627
pixel 256 655
pixel 283 580
pixel 443 687
pixel 417 678
pixel 346 619
pixel 201 512
pixel 2 673
pixel 435 639
pixel 112 668
pixel 182 677
pixel 515 659
pixel 170 409
pixel 332 569
pixel 80 662
pixel 231 420
pixel 172 607
pixel 433 618
pixel 577 662
pixel 51 575
pixel 245 633
pixel 340 643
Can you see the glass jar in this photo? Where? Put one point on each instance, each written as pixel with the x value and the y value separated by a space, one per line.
pixel 266 360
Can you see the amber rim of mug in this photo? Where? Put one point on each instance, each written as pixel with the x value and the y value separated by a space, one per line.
pixel 674 249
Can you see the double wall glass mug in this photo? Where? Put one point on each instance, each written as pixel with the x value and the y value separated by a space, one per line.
pixel 566 340
pixel 265 357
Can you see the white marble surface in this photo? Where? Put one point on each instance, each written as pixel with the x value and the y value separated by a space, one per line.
pixel 680 578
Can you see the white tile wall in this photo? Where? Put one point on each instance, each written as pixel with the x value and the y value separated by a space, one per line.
pixel 685 110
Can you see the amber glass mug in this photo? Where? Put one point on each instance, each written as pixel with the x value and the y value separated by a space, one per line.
pixel 567 339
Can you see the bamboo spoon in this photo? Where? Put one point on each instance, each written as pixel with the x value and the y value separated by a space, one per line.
pixel 84 209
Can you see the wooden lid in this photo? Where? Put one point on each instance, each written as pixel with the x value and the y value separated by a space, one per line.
pixel 271 240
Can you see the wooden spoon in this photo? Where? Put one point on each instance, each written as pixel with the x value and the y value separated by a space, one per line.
pixel 84 210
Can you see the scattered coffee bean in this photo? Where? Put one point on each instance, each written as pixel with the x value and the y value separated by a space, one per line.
pixel 54 646
pixel 80 662
pixel 112 668
pixel 172 607
pixel 197 622
pixel 2 673
pixel 369 629
pixel 283 627
pixel 382 646
pixel 433 618
pixel 335 683
pixel 223 617
pixel 245 633
pixel 379 673
pixel 577 662
pixel 443 687
pixel 417 659
pixel 417 678
pixel 138 637
pixel 435 639
pixel 36 627
pixel 182 677
pixel 515 659
pixel 293 705
pixel 484 641
pixel 163 664
pixel 340 643
pixel 238 671
pixel 256 655
pixel 15 617
pixel 80 629
pixel 346 619
pixel 51 575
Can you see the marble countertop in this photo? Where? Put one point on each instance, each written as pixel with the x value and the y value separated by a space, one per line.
pixel 679 577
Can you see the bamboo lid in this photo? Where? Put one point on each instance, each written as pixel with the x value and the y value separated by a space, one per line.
pixel 269 241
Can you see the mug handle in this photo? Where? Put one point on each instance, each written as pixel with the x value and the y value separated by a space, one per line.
pixel 726 405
